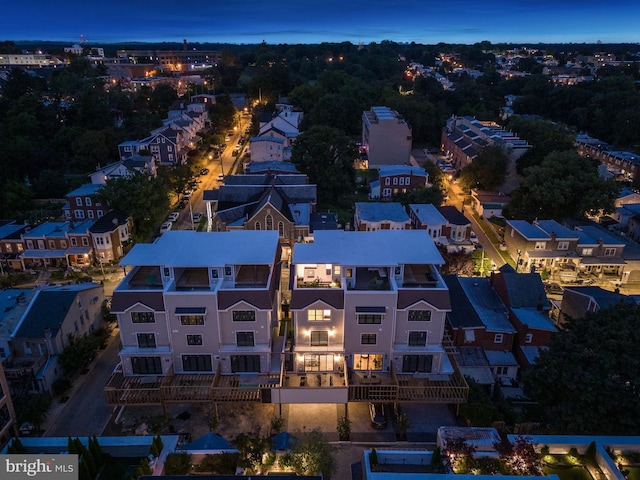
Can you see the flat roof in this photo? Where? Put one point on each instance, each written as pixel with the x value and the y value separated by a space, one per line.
pixel 381 248
pixel 529 231
pixel 562 232
pixel 427 213
pixel 534 318
pixel 381 211
pixel 184 248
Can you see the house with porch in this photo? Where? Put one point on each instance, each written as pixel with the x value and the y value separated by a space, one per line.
pixel 57 244
pixel 11 245
pixel 110 234
pixel 124 168
pixel 373 216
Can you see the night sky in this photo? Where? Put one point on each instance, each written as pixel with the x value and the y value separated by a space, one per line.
pixel 315 21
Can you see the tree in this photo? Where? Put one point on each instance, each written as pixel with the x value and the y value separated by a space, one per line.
pixel 344 428
pixel 252 449
pixel 419 195
pixel 488 170
pixel 311 455
pixel 563 185
pixel 403 423
pixel 175 464
pixel 146 199
pixel 588 379
pixel 176 177
pixel 520 457
pixel 326 155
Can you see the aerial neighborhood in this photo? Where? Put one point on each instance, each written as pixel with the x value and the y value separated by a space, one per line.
pixel 420 253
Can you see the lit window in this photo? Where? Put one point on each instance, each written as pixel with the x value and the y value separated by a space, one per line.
pixel 319 315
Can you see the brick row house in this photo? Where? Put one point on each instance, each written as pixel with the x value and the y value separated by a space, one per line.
pixel 446 225
pixel 394 179
pixel 367 326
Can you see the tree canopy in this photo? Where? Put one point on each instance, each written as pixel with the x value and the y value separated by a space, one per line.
pixel 563 185
pixel 326 155
pixel 488 170
pixel 589 379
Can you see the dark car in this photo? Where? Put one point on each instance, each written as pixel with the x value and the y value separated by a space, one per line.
pixel 182 204
pixel 204 171
pixel 377 414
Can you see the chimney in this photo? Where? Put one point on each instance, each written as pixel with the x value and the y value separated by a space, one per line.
pixel 184 44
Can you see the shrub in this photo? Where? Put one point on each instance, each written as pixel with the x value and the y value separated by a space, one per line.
pixel 177 464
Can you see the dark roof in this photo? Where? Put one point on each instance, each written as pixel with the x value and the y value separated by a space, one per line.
pixel 109 222
pixel 453 215
pixel 525 290
pixel 463 315
pixel 604 298
pixel 49 309
pixel 323 221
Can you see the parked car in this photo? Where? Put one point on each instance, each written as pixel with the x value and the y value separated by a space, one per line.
pixel 204 171
pixel 186 196
pixel 197 217
pixel 473 237
pixel 221 177
pixel 165 227
pixel 378 416
pixel 182 204
pixel 173 216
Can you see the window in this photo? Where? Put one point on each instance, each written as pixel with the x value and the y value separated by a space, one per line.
pixel 30 244
pixel 87 201
pixel 498 338
pixel 100 213
pixel 319 339
pixel 369 318
pixel 194 339
pixel 74 241
pixel 40 244
pixel 63 244
pixel 196 363
pixel 563 245
pixel 407 181
pixel 85 242
pixel 349 273
pixel 27 348
pixel 419 316
pixel 417 339
pixel 257 225
pixel 587 252
pixel 245 339
pixel 214 273
pixel 146 340
pixel 78 201
pixel 146 365
pixel 387 181
pixel 90 213
pixel 78 214
pixel 386 192
pixel 540 245
pixel 395 180
pixel 502 370
pixel 52 244
pixel 7 247
pixel 528 338
pixel 268 222
pixel 244 316
pixel 417 363
pixel 245 363
pixel 368 339
pixel 143 317
pixel 319 315
pixel 609 252
pixel 281 229
pixel 227 271
pixel 401 180
pixel 192 319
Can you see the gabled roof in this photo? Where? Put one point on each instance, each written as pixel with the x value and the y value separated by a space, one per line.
pixel 453 215
pixel 463 315
pixel 12 231
pixel 109 222
pixel 529 231
pixel 86 189
pixel 401 170
pixel 604 298
pixel 525 290
pixel 552 227
pixel 49 309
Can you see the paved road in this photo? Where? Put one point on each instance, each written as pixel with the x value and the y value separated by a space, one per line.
pixel 86 413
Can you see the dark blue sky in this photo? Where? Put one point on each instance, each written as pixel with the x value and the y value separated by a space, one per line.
pixel 315 21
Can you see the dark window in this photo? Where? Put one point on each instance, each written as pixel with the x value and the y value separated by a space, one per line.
pixel 192 319
pixel 319 339
pixel 244 316
pixel 245 363
pixel 196 363
pixel 143 317
pixel 146 340
pixel 369 318
pixel 146 365
pixel 419 315
pixel 244 339
pixel 5 417
pixel 368 339
pixel 417 339
pixel 194 339
pixel 165 271
pixel 417 363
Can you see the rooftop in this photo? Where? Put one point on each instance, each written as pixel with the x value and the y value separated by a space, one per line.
pixel 427 213
pixel 381 211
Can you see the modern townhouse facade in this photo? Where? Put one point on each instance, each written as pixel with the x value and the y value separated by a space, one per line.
pixel 386 137
pixel 201 325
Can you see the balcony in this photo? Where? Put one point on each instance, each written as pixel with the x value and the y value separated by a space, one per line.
pixel 368 278
pixel 144 278
pixel 419 276
pixel 317 283
pixel 252 276
pixel 27 365
pixel 192 279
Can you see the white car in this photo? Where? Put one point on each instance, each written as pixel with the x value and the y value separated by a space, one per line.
pixel 473 237
pixel 165 227
pixel 173 216
pixel 197 217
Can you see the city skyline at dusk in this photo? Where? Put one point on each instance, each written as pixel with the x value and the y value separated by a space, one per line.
pixel 285 21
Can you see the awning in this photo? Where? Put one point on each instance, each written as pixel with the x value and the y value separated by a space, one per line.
pixel 371 309
pixel 79 250
pixel 191 310
pixel 38 254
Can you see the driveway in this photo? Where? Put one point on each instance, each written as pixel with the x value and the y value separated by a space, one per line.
pixel 85 413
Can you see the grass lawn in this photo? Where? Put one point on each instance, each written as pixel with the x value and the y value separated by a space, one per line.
pixel 120 468
pixel 568 472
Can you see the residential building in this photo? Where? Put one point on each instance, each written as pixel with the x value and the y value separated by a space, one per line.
pixel 386 137
pixel 38 326
pixel 11 245
pixel 124 169
pixel 35 60
pixel 372 216
pixel 57 244
pixel 578 301
pixel 7 413
pixel 464 137
pixel 185 60
pixel 457 230
pixel 263 202
pixel 268 148
pixel 524 296
pixel 489 204
pixel 396 179
pixel 283 124
pixel 425 216
pixel 82 205
pixel 268 167
pixel 110 235
pixel 623 165
pixel 209 308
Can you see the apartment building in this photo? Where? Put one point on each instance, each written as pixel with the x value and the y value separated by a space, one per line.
pixel 82 205
pixel 386 137
pixel 210 307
